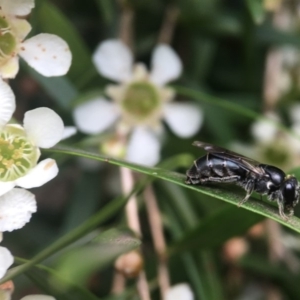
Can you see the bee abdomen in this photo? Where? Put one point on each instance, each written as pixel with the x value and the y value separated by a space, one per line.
pixel 211 168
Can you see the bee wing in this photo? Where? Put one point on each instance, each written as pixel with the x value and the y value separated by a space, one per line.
pixel 248 163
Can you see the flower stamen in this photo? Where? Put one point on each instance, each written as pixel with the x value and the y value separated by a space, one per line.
pixel 18 155
pixel 140 100
pixel 8 41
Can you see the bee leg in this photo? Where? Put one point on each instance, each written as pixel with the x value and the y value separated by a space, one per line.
pixel 291 213
pixel 245 199
pixel 281 210
pixel 193 181
pixel 249 189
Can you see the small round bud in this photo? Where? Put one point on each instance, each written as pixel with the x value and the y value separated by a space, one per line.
pixel 130 264
pixel 257 230
pixel 6 290
pixel 234 249
pixel 114 147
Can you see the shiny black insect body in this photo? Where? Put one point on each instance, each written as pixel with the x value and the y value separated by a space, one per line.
pixel 224 166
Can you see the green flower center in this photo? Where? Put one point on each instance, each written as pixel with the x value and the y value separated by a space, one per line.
pixel 141 100
pixel 7 40
pixel 17 154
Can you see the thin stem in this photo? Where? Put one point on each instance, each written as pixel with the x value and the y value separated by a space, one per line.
pixel 104 214
pixel 133 222
pixel 277 250
pixel 156 228
pixel 143 287
pixel 118 284
pixel 126 22
pixel 131 206
pixel 168 26
pixel 273 69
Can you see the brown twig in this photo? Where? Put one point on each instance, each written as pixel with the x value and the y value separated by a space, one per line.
pixel 168 26
pixel 134 224
pixel 126 23
pixel 156 228
pixel 277 250
pixel 272 92
pixel 131 208
pixel 118 284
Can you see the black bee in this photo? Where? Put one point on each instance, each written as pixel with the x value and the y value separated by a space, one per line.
pixel 221 165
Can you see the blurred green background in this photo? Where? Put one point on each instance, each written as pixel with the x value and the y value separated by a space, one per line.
pixel 225 47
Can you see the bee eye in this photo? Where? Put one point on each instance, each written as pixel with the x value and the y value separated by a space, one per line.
pixel 289 192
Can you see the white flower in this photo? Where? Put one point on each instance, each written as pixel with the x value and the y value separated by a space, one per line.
pixel 6 260
pixel 273 145
pixel 180 291
pixel 46 53
pixel 68 132
pixel 16 208
pixel 265 131
pixel 19 151
pixel 140 101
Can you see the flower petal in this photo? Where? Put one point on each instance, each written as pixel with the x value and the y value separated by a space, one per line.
pixel 21 27
pixel 38 297
pixel 16 208
pixel 180 291
pixel 48 54
pixel 7 103
pixel 6 186
pixel 185 119
pixel 44 127
pixel 43 172
pixel 113 60
pixel 11 68
pixel 166 65
pixel 68 132
pixel 17 7
pixel 95 116
pixel 6 260
pixel 143 147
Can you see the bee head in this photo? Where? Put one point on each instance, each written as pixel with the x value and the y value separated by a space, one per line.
pixel 290 191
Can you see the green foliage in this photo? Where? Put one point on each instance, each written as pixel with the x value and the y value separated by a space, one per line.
pixel 80 228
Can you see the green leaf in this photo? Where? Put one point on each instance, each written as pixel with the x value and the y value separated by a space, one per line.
pixel 276 273
pixel 51 20
pixel 107 10
pixel 257 10
pixel 87 187
pixel 53 284
pixel 234 222
pixel 78 264
pixel 60 89
pixel 104 214
pixel 227 105
pixel 254 205
pixel 38 278
pixel 188 260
